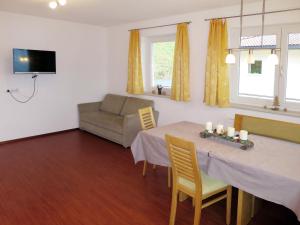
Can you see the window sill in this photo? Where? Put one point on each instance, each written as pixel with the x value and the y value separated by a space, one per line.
pixel 156 95
pixel 262 109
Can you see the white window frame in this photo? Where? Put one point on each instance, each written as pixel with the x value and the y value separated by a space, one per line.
pixel 147 42
pixel 286 30
pixel 281 32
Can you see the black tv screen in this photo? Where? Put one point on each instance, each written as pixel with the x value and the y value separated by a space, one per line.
pixel 34 61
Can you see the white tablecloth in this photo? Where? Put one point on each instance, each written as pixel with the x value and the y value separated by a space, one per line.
pixel 270 170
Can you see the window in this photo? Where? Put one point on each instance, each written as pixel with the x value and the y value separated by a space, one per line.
pixel 258 82
pixel 293 71
pixel 158 56
pixel 162 63
pixel 257 79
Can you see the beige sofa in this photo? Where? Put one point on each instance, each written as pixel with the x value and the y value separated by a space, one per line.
pixel 115 118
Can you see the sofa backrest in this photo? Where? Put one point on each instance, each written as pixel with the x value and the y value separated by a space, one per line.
pixel 132 105
pixel 113 103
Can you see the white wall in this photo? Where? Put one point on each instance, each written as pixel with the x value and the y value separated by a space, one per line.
pixel 92 61
pixel 171 111
pixel 81 52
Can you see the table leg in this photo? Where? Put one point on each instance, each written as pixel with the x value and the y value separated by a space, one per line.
pixel 248 205
pixel 169 177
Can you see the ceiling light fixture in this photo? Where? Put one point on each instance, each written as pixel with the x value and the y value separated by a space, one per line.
pixel 62 2
pixel 251 59
pixel 273 58
pixel 230 58
pixel 53 4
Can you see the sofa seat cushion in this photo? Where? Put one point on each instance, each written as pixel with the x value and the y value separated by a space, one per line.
pixel 132 105
pixel 113 103
pixel 105 120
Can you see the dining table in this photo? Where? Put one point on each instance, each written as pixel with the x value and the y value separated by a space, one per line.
pixel 269 170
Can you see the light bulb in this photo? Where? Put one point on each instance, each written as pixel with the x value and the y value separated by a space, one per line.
pixel 273 58
pixel 251 59
pixel 230 58
pixel 62 2
pixel 53 5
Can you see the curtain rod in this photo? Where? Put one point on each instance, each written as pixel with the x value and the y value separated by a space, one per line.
pixel 253 14
pixel 173 24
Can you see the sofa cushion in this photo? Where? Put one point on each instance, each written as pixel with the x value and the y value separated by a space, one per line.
pixel 132 105
pixel 105 120
pixel 113 103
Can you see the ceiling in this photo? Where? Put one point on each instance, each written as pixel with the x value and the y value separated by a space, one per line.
pixel 111 12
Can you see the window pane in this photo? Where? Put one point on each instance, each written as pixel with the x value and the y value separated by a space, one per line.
pixel 293 73
pixel 162 63
pixel 256 79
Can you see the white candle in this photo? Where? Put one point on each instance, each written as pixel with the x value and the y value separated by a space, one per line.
pixel 230 132
pixel 209 126
pixel 220 129
pixel 244 135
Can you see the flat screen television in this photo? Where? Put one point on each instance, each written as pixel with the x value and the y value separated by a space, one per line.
pixel 34 61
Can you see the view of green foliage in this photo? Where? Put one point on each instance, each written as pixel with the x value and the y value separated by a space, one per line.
pixel 256 67
pixel 162 58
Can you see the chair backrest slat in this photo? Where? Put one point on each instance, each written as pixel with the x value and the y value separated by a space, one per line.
pixel 147 118
pixel 183 159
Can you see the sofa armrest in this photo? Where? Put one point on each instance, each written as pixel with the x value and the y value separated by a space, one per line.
pixel 89 107
pixel 131 127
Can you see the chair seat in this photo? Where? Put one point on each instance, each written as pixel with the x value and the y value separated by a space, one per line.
pixel 209 185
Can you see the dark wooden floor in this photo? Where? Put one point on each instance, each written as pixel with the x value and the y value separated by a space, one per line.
pixel 75 178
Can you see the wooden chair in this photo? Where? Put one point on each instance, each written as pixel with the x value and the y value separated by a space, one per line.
pixel 188 179
pixel 148 122
pixel 147 118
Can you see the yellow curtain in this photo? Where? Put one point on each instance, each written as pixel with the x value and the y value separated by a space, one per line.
pixel 216 75
pixel 135 84
pixel 180 90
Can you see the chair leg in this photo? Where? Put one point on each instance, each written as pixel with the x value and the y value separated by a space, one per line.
pixel 228 205
pixel 169 177
pixel 198 208
pixel 173 206
pixel 154 167
pixel 145 168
